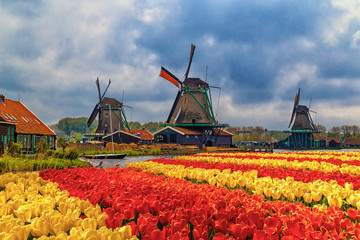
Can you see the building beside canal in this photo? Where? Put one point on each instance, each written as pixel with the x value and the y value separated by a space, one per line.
pixel 186 136
pixel 20 125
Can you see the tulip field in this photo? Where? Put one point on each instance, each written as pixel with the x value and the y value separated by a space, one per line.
pixel 286 195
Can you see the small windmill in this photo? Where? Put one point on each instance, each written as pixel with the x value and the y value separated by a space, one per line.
pixel 301 114
pixel 111 113
pixel 192 103
pixel 303 133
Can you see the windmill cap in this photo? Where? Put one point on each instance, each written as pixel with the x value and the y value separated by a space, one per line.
pixel 195 83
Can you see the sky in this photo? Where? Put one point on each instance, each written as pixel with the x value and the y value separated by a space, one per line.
pixel 258 52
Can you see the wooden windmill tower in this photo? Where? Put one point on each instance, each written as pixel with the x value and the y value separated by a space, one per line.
pixel 303 133
pixel 192 107
pixel 111 114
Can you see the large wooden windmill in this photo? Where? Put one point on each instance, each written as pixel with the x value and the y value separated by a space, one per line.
pixel 192 107
pixel 303 133
pixel 111 116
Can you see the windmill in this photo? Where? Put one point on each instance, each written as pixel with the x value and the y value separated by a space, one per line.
pixel 192 104
pixel 303 133
pixel 110 111
pixel 301 114
pixel 192 108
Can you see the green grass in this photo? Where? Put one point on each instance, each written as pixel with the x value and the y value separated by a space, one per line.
pixel 23 164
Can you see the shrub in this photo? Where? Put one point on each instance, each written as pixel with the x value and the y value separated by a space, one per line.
pixel 72 155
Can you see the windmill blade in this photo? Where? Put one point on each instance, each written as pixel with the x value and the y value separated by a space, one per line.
pixel 190 60
pixel 296 104
pixel 312 111
pixel 127 106
pixel 292 117
pixel 98 87
pixel 105 90
pixel 311 121
pixel 174 106
pixel 93 115
pixel 297 99
pixel 164 73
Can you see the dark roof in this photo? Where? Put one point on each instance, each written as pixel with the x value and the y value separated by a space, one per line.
pixel 26 122
pixel 352 141
pixel 145 135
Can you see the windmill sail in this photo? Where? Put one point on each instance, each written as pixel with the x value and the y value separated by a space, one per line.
pixel 170 77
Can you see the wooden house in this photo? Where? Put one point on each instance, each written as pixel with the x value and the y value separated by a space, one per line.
pixel 23 126
pixel 186 136
pixel 7 132
pixel 351 142
pixel 333 142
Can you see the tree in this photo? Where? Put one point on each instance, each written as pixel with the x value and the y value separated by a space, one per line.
pixel 321 129
pixel 62 143
pixel 78 137
pixel 354 130
pixel 335 131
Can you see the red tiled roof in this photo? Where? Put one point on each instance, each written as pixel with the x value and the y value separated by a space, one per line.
pixel 317 137
pixel 26 122
pixel 337 140
pixel 145 135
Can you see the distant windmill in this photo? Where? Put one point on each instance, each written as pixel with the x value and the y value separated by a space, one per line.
pixel 110 111
pixel 301 114
pixel 192 103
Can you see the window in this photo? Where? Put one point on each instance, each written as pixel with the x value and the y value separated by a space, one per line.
pixel 187 136
pixel 196 136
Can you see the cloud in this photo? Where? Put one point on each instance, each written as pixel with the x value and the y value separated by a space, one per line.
pixel 259 53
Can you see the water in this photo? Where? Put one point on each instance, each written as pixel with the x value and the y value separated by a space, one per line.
pixel 106 163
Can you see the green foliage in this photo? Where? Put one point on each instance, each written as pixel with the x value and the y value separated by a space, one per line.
pixel 41 146
pixel 50 152
pixel 13 149
pixel 76 125
pixel 72 155
pixel 62 143
pixel 78 137
pixel 10 164
pixel 149 126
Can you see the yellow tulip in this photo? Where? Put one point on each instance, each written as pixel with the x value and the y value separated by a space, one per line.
pixel 334 200
pixel 308 197
pixel 39 227
pixel 89 224
pixel 91 234
pixel 3 197
pixel 316 196
pixel 276 194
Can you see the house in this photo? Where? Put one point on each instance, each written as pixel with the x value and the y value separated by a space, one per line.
pixel 333 142
pixel 146 136
pixel 7 132
pixel 319 140
pixel 187 136
pixel 121 137
pixel 29 129
pixel 351 142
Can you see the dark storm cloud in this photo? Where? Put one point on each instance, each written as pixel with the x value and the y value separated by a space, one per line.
pixel 259 53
